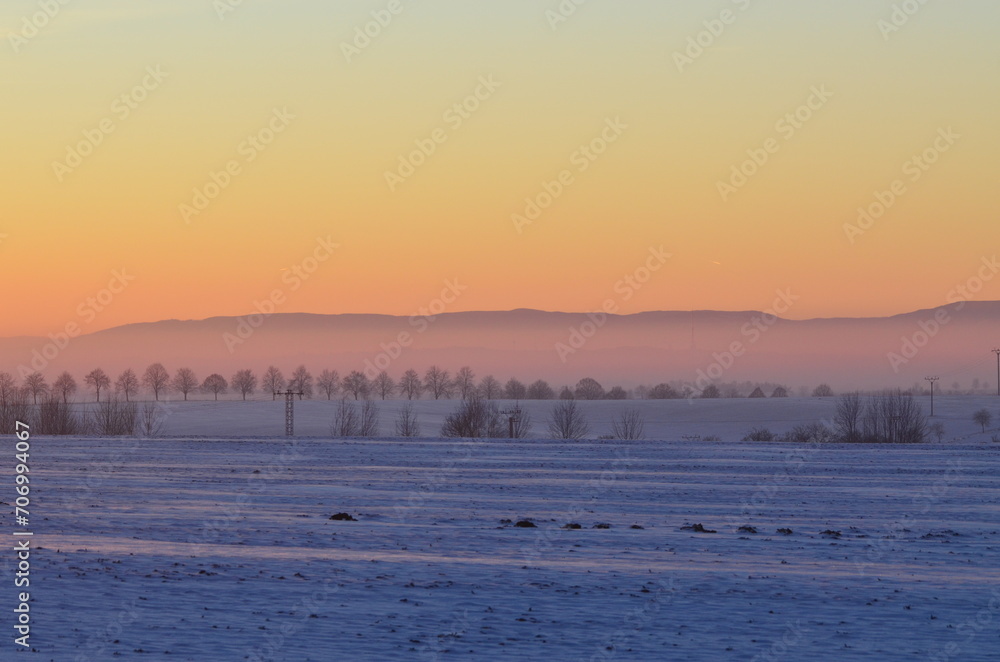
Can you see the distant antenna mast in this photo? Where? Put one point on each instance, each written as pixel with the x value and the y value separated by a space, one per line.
pixel 289 410
pixel 932 380
pixel 997 352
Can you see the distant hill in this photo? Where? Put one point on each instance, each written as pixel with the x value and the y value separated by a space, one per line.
pixel 561 347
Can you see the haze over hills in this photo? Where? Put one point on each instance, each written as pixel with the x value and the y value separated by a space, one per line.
pixel 953 342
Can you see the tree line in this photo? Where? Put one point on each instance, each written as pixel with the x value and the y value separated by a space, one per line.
pixel 435 382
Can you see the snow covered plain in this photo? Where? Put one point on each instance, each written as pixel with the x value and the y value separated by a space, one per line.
pixel 209 548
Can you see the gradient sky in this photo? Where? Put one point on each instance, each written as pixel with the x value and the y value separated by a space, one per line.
pixel 657 185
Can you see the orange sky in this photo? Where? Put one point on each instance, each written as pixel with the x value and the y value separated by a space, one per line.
pixel 161 100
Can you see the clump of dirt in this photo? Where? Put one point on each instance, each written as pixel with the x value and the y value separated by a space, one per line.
pixel 572 525
pixel 831 533
pixel 636 526
pixel 602 525
pixel 525 524
pixel 343 517
pixel 746 528
pixel 785 531
pixel 697 528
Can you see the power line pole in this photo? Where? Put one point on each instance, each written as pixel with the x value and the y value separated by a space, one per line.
pixel 513 418
pixel 289 410
pixel 932 380
pixel 997 352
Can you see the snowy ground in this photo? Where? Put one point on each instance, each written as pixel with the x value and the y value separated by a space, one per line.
pixel 212 548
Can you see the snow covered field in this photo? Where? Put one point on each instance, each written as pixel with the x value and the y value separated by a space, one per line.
pixel 211 548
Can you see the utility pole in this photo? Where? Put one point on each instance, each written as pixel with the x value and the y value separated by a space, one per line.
pixel 289 410
pixel 513 417
pixel 932 380
pixel 997 352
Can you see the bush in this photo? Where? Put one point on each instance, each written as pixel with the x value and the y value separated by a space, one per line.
pixel 475 418
pixel 368 425
pixel 112 418
pixel 568 422
pixel 983 417
pixel 937 429
pixel 628 425
pixel 809 433
pixel 56 418
pixel 893 417
pixel 407 424
pixel 757 393
pixel 345 421
pixel 760 434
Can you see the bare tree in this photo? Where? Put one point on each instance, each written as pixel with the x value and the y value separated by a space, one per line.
pixel 8 387
pixel 345 422
pixel 156 378
pixel 937 429
pixel 847 417
pixel 245 382
pixel 757 393
pixel 566 394
pixel 629 425
pixel 540 390
pixel 150 420
pixel 475 418
pixel 407 424
pixel 515 390
pixel 983 417
pixel 711 392
pixel 302 380
pixel 465 381
pixel 490 388
pixel 893 417
pixel 410 385
pixel 567 421
pixel 97 379
pixel 779 392
pixel 216 384
pixel 368 426
pixel 357 384
pixel 273 380
pixel 113 418
pixel 437 382
pixel 184 381
pixel 35 383
pixel 589 389
pixel 384 384
pixel 127 383
pixel 56 418
pixel 617 393
pixel 329 383
pixel 65 385
pixel 822 391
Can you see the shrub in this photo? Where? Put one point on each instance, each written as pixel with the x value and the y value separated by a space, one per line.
pixel 760 434
pixel 628 425
pixel 809 433
pixel 112 418
pixel 345 421
pixel 475 418
pixel 568 422
pixel 983 417
pixel 407 424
